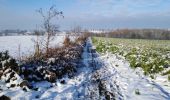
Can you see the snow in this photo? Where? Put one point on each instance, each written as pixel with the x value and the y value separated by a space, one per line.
pixel 73 89
pixel 131 80
pixel 111 70
pixel 25 43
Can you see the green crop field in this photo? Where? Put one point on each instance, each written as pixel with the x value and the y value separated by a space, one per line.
pixel 153 56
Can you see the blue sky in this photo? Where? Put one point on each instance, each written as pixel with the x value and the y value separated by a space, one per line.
pixel 91 14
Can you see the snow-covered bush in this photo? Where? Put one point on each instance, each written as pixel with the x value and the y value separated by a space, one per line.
pixel 67 41
pixel 9 71
pixel 7 62
pixel 60 61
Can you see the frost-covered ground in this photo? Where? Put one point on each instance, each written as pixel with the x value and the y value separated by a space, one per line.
pixel 73 89
pixel 152 56
pixel 99 77
pixel 133 84
pixel 25 43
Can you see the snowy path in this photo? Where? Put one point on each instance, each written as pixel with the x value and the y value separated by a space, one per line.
pixel 106 77
pixel 75 88
pixel 93 81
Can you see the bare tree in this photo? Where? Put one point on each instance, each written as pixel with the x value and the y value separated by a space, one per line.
pixel 50 28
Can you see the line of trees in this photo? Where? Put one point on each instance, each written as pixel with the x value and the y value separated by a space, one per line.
pixel 160 34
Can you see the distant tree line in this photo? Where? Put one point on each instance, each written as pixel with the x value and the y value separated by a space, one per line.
pixel 21 32
pixel 9 32
pixel 160 34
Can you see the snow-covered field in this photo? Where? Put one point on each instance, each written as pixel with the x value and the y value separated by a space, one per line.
pixel 141 65
pixel 73 89
pixel 100 77
pixel 133 84
pixel 24 45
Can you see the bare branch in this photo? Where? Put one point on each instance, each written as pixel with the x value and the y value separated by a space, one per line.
pixel 50 29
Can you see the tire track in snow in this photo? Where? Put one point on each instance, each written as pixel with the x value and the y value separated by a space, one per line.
pixel 102 85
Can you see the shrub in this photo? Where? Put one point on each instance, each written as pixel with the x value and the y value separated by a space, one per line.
pixel 7 62
pixel 80 39
pixel 4 56
pixel 67 41
pixel 60 61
